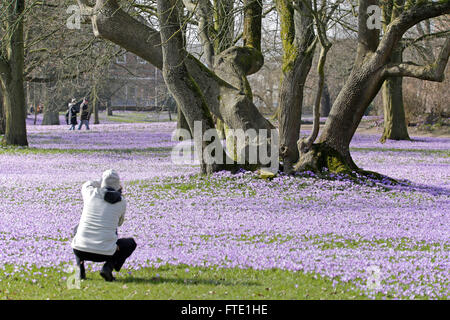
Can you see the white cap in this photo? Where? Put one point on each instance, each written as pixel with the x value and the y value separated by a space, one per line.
pixel 110 178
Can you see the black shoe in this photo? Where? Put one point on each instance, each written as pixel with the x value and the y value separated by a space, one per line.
pixel 106 273
pixel 108 276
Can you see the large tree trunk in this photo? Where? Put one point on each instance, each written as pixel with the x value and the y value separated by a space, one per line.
pixel 297 36
pixel 394 112
pixel 12 78
pixel 333 150
pixel 13 101
pixel 344 118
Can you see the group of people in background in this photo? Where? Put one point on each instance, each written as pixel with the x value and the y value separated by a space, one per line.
pixel 75 108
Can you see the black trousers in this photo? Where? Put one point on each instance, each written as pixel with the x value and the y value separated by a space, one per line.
pixel 116 261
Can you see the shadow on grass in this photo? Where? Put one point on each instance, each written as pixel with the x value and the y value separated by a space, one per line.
pixel 185 281
pixel 431 190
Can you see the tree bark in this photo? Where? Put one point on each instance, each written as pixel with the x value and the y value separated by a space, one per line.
pixel 94 104
pixel 179 82
pixel 2 116
pixel 51 117
pixel 345 115
pixel 96 117
pixel 252 23
pixel 109 110
pixel 325 105
pixel 13 101
pixel 297 35
pixel 304 144
pixel 395 127
pixel 203 11
pixel 11 76
pixel 181 121
pixel 50 112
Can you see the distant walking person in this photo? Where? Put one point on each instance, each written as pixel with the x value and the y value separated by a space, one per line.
pixel 85 114
pixel 96 235
pixel 72 114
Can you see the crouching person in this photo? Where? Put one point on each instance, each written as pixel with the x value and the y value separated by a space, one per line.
pixel 96 236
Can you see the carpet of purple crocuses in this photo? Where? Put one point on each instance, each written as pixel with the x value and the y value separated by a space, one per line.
pixel 331 228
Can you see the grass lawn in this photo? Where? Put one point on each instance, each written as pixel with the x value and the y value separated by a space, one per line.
pixel 175 282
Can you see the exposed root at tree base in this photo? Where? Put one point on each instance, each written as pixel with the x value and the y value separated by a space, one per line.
pixel 327 163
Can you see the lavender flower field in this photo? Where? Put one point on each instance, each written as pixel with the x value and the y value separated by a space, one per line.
pixel 392 241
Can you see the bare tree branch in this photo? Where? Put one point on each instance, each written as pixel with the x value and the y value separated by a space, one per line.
pixel 432 72
pixel 409 18
pixel 86 9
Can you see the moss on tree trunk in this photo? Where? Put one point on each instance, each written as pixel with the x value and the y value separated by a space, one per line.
pixel 324 158
pixel 325 161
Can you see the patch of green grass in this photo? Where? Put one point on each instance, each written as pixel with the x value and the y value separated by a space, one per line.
pixel 176 282
pixel 404 244
pixel 424 151
pixel 265 238
pixel 196 183
pixel 136 117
